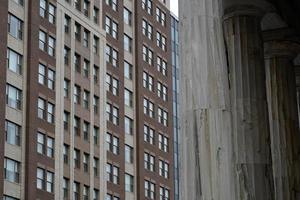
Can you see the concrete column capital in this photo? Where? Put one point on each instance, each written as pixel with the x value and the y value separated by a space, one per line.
pixel 255 8
pixel 288 49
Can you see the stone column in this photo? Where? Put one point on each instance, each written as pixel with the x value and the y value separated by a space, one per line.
pixel 250 133
pixel 281 92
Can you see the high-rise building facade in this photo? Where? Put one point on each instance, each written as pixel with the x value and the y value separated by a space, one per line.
pixel 87 108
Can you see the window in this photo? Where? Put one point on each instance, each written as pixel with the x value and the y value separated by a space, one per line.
pixel 77 92
pixel 162 91
pixel 76 191
pixel 161 66
pixel 86 68
pixel 148 108
pixel 129 181
pixel 46 76
pixel 41 108
pixel 111 56
pixel 128 98
pixel 149 162
pixel 164 193
pixel 86 38
pixel 149 189
pixel 66 88
pixel 127 43
pixel 50 113
pixel 96 104
pixel 127 70
pixel 86 130
pixel 128 124
pixel 65 188
pixel 96 15
pixel 76 157
pixel 67 55
pixel 42 40
pixel 86 160
pixel 147 29
pixel 112 143
pixel 96 194
pixel 112 84
pixel 77 61
pixel 11 170
pixel 128 154
pixel 147 81
pixel 112 173
pixel 66 152
pixel 45 180
pixel 50 13
pixel 160 16
pixel 86 7
pixel 66 120
pixel 51 46
pixel 112 114
pixel 163 143
pixel 127 16
pixel 111 27
pixel 77 31
pixel 111 197
pixel 13 97
pixel 12 133
pixel 113 4
pixel 162 116
pixel 147 55
pixel 96 74
pixel 86 96
pixel 5 197
pixel 15 27
pixel 164 169
pixel 50 182
pixel 148 134
pixel 96 135
pixel 67 23
pixel 77 4
pixel 147 5
pixel 96 166
pixel 161 41
pixel 44 46
pixel 96 45
pixel 14 61
pixel 45 145
pixel 76 126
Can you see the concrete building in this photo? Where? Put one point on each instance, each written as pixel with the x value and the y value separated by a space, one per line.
pixel 87 108
pixel 239 119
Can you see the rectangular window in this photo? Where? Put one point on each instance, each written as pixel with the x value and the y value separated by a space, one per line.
pixel 113 4
pixel 149 190
pixel 161 41
pixel 96 104
pixel 96 135
pixel 112 113
pixel 160 16
pixel 11 170
pixel 112 143
pixel 164 193
pixel 128 124
pixel 128 154
pixel 127 43
pixel 96 194
pixel 77 92
pixel 96 74
pixel 164 169
pixel 96 166
pixel 129 181
pixel 86 160
pixel 76 157
pixel 147 55
pixel 161 66
pixel 148 134
pixel 111 56
pixel 112 173
pixel 111 27
pixel 96 15
pixel 86 131
pixel 15 27
pixel 65 188
pixel 66 152
pixel 66 88
pixel 5 197
pixel 67 23
pixel 148 108
pixel 147 81
pixel 163 143
pixel 128 98
pixel 86 38
pixel 14 61
pixel 147 5
pixel 50 113
pixel 127 70
pixel 12 133
pixel 51 46
pixel 162 91
pixel 67 55
pixel 42 40
pixel 76 191
pixel 50 182
pixel 112 84
pixel 86 99
pixel 127 16
pixel 162 116
pixel 76 126
pixel 96 45
pixel 86 8
pixel 41 108
pixel 13 97
pixel 77 4
pixel 147 29
pixel 45 180
pixel 77 31
pixel 149 162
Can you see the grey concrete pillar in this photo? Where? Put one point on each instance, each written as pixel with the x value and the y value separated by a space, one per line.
pixel 250 133
pixel 283 117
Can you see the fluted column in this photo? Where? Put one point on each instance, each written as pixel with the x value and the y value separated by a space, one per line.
pixel 250 133
pixel 281 92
